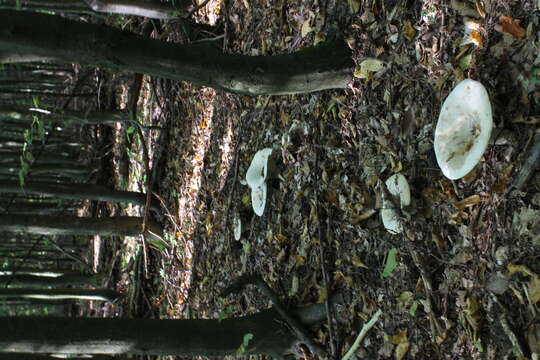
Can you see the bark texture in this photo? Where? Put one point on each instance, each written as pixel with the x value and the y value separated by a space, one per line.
pixel 59 294
pixel 150 9
pixel 74 192
pixel 71 225
pixel 326 66
pixel 45 281
pixel 19 114
pixel 151 337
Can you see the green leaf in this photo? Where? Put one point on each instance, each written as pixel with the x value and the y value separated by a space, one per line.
pixel 162 245
pixel 21 178
pixel 391 263
pixel 247 339
pixel 413 308
pixel 245 342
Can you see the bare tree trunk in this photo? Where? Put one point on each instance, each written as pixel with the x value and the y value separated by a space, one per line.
pixel 66 117
pixel 44 282
pixel 149 9
pixel 326 66
pixel 74 192
pixel 153 337
pixel 59 294
pixel 71 225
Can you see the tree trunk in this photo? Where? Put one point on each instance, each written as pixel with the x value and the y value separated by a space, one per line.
pixel 44 282
pixel 149 9
pixel 72 225
pixel 59 294
pixel 66 117
pixel 45 357
pixel 152 337
pixel 75 192
pixel 326 66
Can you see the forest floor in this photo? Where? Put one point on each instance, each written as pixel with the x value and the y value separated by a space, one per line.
pixel 460 282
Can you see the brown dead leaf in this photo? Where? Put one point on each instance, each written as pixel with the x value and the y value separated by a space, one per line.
pixel 468 202
pixel 481 8
pixel 400 339
pixel 408 30
pixel 511 26
pixel 520 119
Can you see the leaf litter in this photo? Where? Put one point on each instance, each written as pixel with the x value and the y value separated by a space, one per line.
pixel 467 258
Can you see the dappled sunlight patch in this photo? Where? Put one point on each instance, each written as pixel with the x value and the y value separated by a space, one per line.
pixel 227 148
pixel 192 177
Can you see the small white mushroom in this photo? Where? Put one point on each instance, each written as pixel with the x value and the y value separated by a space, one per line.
pixel 463 129
pixel 237 228
pixel 262 167
pixel 258 170
pixel 258 199
pixel 397 185
pixel 391 219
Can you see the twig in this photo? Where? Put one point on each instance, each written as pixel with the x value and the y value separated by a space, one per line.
pixel 518 351
pixel 436 328
pixel 367 326
pixel 530 165
pixel 295 325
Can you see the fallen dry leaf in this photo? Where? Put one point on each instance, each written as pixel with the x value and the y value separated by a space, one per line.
pixel 408 30
pixel 511 26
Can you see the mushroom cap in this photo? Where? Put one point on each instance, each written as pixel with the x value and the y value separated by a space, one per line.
pixel 390 218
pixel 237 228
pixel 257 171
pixel 397 185
pixel 258 199
pixel 463 129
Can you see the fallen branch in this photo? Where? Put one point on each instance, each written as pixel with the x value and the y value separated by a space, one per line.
pixel 294 324
pixel 367 326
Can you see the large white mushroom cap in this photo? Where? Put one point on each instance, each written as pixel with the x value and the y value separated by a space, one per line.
pixel 257 171
pixel 463 129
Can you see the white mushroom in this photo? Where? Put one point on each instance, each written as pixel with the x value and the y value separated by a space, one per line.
pixel 258 170
pixel 463 129
pixel 390 217
pixel 397 185
pixel 262 167
pixel 237 228
pixel 258 199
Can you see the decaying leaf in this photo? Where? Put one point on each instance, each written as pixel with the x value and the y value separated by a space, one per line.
pixel 510 26
pixel 408 30
pixel 401 340
pixel 534 289
pixel 473 34
pixel 463 8
pixel 468 202
pixel 367 67
pixel 354 5
pixel 526 119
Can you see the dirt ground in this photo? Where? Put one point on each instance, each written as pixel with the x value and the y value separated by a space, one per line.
pixel 462 279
